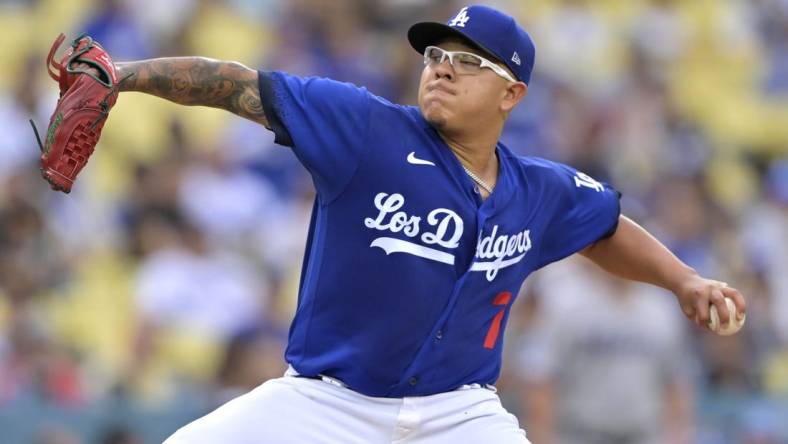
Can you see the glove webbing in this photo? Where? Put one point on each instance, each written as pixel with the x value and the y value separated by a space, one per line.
pixel 103 78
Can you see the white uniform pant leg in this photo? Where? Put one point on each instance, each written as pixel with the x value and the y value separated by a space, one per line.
pixel 293 410
pixel 472 416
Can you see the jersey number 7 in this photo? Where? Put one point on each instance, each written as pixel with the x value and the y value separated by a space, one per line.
pixel 502 298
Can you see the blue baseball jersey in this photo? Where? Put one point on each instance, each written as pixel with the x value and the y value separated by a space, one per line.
pixel 408 274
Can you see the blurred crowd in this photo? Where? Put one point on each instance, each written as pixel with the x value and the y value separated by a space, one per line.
pixel 164 283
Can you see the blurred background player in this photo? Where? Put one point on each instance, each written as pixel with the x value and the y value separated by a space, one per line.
pixel 604 361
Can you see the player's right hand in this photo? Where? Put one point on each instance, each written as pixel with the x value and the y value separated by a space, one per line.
pixel 696 295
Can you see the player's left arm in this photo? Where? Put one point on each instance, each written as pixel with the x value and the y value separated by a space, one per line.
pixel 632 253
pixel 197 81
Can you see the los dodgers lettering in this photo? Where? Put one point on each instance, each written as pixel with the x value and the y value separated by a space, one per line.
pixel 493 252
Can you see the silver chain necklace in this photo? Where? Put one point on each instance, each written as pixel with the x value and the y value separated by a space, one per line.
pixel 478 181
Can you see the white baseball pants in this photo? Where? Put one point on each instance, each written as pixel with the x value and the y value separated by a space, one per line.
pixel 295 410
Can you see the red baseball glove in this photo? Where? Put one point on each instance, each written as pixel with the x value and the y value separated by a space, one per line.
pixel 88 90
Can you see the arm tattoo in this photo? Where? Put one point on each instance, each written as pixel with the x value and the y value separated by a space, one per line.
pixel 197 81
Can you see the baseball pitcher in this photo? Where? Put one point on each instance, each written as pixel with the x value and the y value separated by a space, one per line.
pixel 423 229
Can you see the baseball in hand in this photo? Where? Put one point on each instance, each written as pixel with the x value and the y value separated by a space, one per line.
pixel 731 327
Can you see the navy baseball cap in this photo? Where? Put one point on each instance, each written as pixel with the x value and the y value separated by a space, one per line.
pixel 487 28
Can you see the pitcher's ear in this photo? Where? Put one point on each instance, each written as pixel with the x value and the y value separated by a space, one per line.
pixel 515 92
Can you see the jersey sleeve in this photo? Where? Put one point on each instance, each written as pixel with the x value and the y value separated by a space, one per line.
pixel 584 211
pixel 325 122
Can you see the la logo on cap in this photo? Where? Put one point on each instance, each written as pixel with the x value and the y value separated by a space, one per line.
pixel 461 19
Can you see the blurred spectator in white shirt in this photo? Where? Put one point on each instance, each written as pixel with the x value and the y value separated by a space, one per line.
pixel 605 362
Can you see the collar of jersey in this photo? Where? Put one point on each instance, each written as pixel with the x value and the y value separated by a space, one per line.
pixel 504 186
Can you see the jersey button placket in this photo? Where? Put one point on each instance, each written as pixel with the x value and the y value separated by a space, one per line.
pixel 413 381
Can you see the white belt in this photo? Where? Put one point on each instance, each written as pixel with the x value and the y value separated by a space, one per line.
pixel 336 382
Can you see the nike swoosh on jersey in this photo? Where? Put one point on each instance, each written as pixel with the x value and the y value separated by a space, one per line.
pixel 416 161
